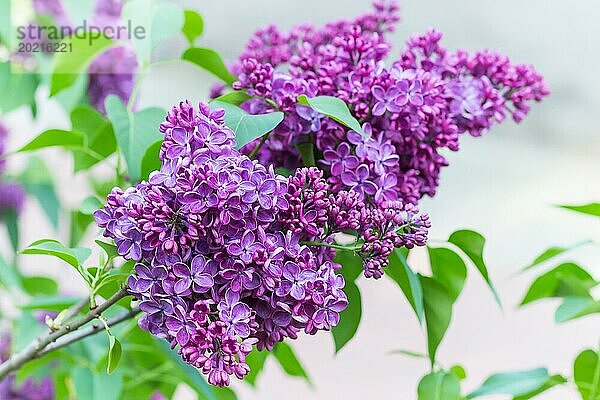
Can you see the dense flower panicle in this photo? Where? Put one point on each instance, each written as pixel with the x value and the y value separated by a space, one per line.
pixel 411 109
pixel 232 255
pixel 30 389
pixel 12 195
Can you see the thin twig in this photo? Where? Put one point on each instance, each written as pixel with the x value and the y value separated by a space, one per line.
pixel 33 350
pixel 88 331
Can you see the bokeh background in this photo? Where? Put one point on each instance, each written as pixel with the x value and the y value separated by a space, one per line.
pixel 505 185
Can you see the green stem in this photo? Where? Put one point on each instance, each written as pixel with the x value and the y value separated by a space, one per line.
pixel 259 145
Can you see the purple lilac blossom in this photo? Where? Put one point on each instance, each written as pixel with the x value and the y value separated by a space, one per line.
pixel 113 71
pixel 232 255
pixel 413 108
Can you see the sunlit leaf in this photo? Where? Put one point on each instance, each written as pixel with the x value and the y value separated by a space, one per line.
pixel 289 361
pixel 589 209
pixel 69 65
pixel 512 383
pixel 98 134
pixel 53 138
pixel 151 161
pixel 237 97
pixel 472 243
pixel 51 247
pixel 135 132
pixel 438 313
pixel 586 372
pixel 247 127
pixel 439 385
pixel 256 361
pixel 401 273
pixel 334 108
pixel 448 269
pixel 114 354
pixel 40 286
pixel 193 26
pixel 567 279
pixel 211 61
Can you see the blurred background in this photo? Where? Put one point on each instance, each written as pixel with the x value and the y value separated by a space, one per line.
pixel 504 185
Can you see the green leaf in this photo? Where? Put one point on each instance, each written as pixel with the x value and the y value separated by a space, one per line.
pixel 193 26
pixel 69 65
pixel 307 153
pixel 589 209
pixel 349 318
pixel 247 127
pixel 79 224
pixel 288 361
pixel 135 132
pixel 438 313
pixel 567 279
pixel 334 108
pixel 161 21
pixel 151 161
pixel 256 361
pixel 351 264
pixel 38 183
pixel 72 256
pixel 109 248
pixel 95 386
pixel 89 205
pixel 98 134
pixel 53 303
pixel 401 273
pixel 439 386
pixel 554 380
pixel 10 219
pixel 448 269
pixel 472 243
pixel 10 277
pixel 512 383
pixel 114 354
pixel 586 373
pixel 20 85
pixel 211 61
pixel 574 307
pixel 237 97
pixel 458 371
pixel 547 255
pixel 40 285
pixel 52 138
pixel 26 329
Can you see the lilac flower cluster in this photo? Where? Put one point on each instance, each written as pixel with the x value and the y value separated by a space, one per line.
pixel 29 389
pixel 411 109
pixel 231 254
pixel 12 195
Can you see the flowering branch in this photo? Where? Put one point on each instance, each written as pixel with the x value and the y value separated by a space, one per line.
pixel 50 340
